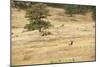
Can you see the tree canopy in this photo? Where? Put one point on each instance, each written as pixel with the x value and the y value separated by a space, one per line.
pixel 37 15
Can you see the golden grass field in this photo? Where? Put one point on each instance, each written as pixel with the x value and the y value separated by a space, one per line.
pixel 31 48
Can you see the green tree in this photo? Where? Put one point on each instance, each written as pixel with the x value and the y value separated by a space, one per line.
pixel 82 9
pixel 93 12
pixel 71 9
pixel 76 9
pixel 20 5
pixel 37 15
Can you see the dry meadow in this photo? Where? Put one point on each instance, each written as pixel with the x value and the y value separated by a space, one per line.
pixel 28 47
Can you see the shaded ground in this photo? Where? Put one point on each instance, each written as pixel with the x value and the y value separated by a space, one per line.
pixel 31 48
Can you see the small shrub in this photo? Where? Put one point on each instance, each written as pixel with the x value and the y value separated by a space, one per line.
pixel 45 33
pixel 62 25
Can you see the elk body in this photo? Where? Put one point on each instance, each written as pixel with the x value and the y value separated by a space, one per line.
pixel 71 43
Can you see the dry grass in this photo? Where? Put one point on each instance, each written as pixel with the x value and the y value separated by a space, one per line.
pixel 31 48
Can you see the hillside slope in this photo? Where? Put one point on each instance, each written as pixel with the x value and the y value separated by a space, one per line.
pixel 30 48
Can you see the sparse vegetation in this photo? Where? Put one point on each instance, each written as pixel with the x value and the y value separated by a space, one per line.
pixel 57 60
pixel 35 41
pixel 45 33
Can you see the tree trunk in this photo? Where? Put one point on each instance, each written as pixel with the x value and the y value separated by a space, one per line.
pixel 71 15
pixel 40 30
